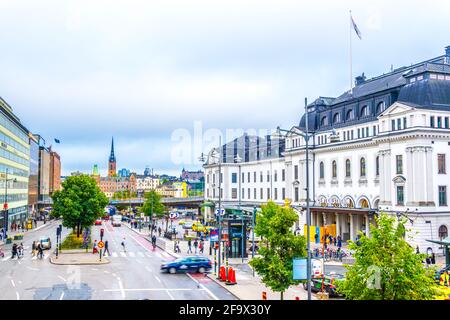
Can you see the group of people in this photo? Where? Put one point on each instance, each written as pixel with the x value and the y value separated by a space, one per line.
pixel 328 239
pixel 105 248
pixel 17 226
pixel 197 245
pixel 17 250
pixel 37 249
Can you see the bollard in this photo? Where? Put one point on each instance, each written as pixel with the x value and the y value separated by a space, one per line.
pixel 231 277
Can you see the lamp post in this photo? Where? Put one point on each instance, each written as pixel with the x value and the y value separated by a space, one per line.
pixel 253 235
pixel 5 204
pixel 238 160
pixel 305 136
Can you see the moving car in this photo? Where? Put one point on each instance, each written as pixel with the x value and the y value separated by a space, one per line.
pixel 187 225
pixel 181 222
pixel 116 220
pixel 198 227
pixel 45 242
pixel 187 264
pixel 98 222
pixel 329 284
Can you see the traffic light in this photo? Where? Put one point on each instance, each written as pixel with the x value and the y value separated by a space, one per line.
pixel 102 231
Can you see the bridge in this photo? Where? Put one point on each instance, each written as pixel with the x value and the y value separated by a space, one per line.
pixel 191 202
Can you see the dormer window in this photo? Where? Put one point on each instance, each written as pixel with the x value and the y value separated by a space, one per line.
pixel 349 115
pixel 364 111
pixel 380 107
pixel 337 118
pixel 324 121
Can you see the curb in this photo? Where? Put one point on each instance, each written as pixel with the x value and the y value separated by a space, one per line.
pixel 53 260
pixel 223 285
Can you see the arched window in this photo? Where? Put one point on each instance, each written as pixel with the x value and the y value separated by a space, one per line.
pixel 337 118
pixel 380 107
pixel 377 166
pixel 321 170
pixel 443 232
pixel 364 111
pixel 349 115
pixel 364 204
pixel 334 169
pixel 362 167
pixel 348 168
pixel 324 121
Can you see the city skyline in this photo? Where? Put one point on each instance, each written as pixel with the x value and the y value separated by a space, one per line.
pixel 109 70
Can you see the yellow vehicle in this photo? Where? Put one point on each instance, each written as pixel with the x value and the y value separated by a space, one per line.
pixel 181 222
pixel 198 227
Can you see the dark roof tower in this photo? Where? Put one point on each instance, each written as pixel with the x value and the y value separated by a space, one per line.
pixel 112 157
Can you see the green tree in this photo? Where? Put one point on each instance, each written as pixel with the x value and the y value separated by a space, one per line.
pixel 152 206
pixel 386 267
pixel 279 247
pixel 80 202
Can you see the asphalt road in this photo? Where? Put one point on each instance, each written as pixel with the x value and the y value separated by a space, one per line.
pixel 133 274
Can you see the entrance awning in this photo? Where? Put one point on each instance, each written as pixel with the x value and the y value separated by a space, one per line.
pixel 208 204
pixel 340 210
pixel 445 242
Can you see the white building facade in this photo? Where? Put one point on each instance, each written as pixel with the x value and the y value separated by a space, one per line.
pixel 383 146
pixel 147 183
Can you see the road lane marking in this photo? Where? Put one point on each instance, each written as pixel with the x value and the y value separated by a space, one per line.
pixel 13 284
pixel 141 254
pixel 139 261
pixel 153 289
pixel 170 295
pixel 62 296
pixel 7 258
pixel 106 271
pixel 62 279
pixel 123 254
pixel 17 295
pixel 131 254
pixel 122 291
pixel 114 254
pixel 202 286
pixel 34 258
pixel 148 269
pixel 46 256
pixel 94 269
pixel 157 279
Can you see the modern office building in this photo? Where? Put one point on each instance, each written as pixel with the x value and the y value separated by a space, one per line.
pixel 44 199
pixel 14 167
pixel 55 172
pixel 33 181
pixel 381 146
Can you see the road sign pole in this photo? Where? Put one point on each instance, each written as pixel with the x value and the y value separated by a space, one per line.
pixel 100 254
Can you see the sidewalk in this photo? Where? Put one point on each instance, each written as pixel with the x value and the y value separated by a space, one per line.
pixel 39 225
pixel 248 287
pixel 77 257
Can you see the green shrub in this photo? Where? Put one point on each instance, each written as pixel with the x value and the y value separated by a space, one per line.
pixel 72 242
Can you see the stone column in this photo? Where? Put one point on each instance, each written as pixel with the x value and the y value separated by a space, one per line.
pixel 388 177
pixel 409 177
pixel 429 175
pixel 352 228
pixel 302 180
pixel 382 178
pixel 366 216
pixel 338 225
pixel 420 181
pixel 288 181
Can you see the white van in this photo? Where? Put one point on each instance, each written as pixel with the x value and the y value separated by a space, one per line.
pixel 116 220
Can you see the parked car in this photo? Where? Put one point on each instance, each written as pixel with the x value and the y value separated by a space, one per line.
pixel 187 264
pixel 187 225
pixel 45 242
pixel 98 222
pixel 329 284
pixel 181 222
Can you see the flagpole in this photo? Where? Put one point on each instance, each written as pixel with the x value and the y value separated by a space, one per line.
pixel 350 52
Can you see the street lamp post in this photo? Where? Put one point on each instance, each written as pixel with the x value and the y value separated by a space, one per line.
pixel 238 160
pixel 5 204
pixel 253 235
pixel 306 136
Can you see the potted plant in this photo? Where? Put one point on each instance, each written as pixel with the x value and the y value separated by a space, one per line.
pixel 8 240
pixel 18 236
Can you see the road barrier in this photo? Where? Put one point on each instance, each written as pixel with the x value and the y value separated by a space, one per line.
pixel 222 274
pixel 231 276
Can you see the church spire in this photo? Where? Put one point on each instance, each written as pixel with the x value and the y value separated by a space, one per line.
pixel 112 157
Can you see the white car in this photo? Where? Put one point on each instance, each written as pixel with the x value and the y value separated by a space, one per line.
pixel 116 220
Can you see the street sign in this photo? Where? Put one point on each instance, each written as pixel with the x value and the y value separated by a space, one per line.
pixel 174 215
pixel 5 206
pixel 101 244
pixel 222 212
pixel 299 269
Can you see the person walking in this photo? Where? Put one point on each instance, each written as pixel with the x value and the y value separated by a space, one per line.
pixel 159 231
pixel 94 247
pixel 106 248
pixel 123 244
pixel 339 241
pixel 201 246
pixel 14 250
pixel 189 246
pixel 195 246
pixel 20 250
pixel 33 249
pixel 40 250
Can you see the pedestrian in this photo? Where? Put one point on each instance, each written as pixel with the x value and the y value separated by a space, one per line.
pixel 40 250
pixel 339 241
pixel 189 246
pixel 334 241
pixel 195 245
pixel 178 246
pixel 123 244
pixel 201 246
pixel 33 249
pixel 14 250
pixel 94 247
pixel 20 250
pixel 106 248
pixel 159 231
pixel 417 250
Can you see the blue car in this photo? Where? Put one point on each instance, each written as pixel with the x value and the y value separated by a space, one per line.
pixel 187 264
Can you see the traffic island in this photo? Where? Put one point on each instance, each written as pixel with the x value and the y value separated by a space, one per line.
pixel 78 257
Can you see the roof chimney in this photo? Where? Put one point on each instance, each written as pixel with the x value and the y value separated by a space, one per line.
pixel 360 79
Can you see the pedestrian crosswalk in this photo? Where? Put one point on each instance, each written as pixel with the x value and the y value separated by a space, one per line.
pixel 113 255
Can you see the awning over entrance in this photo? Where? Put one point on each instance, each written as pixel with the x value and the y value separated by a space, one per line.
pixel 339 210
pixel 444 242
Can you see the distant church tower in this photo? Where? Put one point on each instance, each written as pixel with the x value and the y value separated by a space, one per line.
pixel 112 161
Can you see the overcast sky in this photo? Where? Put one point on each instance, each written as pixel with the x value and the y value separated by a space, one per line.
pixel 144 71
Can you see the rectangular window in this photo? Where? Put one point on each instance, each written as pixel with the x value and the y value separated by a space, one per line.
pixel 399 124
pixel 283 175
pixel 374 130
pixel 260 176
pixel 359 134
pixel 275 194
pixel 439 122
pixel 296 172
pixel 352 134
pixel 367 131
pixel 275 176
pixel 268 176
pixel 404 123
pixel 248 177
pixel 283 193
pixel 254 176
pixel 233 193
pixel 254 193
pixel 248 193
pixel 233 177
pixel 345 136
pixel 392 125
pixel 441 163
pixel 221 177
pixel 400 197
pixel 432 121
pixel 442 196
pixel 243 177
pixel 296 194
pixel 446 122
pixel 399 164
pixel 268 193
pixel 261 193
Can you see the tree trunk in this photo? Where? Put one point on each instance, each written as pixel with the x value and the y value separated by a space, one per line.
pixel 281 295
